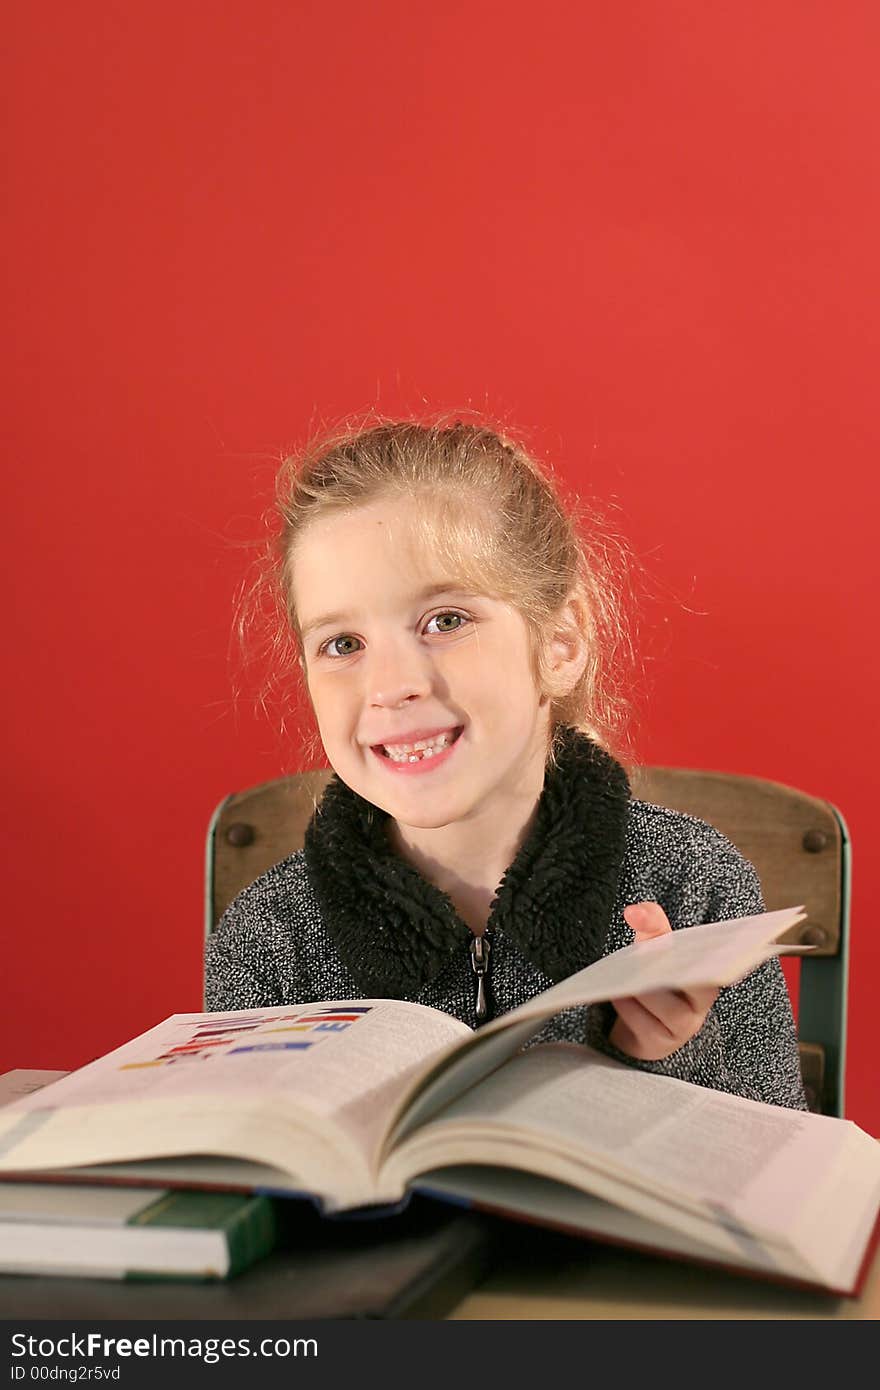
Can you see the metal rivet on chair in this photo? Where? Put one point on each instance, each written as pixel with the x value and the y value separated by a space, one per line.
pixel 814 936
pixel 240 834
pixel 815 841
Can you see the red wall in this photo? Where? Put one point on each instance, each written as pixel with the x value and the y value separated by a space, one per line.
pixel 647 232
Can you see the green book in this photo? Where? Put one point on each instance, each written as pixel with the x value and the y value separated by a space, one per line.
pixel 132 1233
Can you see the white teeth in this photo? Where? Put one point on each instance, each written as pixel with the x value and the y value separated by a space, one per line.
pixel 415 752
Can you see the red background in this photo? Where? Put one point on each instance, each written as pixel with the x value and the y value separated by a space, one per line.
pixel 645 232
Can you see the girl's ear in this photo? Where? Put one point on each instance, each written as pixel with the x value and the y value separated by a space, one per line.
pixel 567 646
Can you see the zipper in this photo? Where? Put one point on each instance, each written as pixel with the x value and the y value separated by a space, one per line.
pixel 480 949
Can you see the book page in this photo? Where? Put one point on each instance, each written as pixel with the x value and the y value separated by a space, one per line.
pixel 231 1084
pixel 715 953
pixel 760 1174
pixel 506 1192
pixel 687 1142
pixel 20 1082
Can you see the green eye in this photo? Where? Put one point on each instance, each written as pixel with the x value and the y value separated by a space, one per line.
pixel 345 637
pixel 456 620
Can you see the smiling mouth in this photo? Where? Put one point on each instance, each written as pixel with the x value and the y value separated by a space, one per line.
pixel 422 750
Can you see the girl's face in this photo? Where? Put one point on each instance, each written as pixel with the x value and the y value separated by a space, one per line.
pixel 398 656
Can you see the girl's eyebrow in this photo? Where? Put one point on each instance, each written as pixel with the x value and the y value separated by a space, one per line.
pixel 430 591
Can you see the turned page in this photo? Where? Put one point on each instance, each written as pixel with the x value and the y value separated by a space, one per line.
pixel 714 953
pixel 185 1085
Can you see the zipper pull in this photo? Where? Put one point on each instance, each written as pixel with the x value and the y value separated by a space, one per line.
pixel 480 948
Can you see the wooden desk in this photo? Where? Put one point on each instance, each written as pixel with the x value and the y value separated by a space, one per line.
pixel 561 1281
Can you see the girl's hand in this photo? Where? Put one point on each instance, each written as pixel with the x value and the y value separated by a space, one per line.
pixel 657 1024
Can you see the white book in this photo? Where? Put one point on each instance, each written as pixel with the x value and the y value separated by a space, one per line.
pixel 111 1232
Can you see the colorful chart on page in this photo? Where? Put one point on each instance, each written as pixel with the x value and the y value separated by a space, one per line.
pixel 226 1035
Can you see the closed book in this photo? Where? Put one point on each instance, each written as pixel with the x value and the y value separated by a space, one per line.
pixel 132 1233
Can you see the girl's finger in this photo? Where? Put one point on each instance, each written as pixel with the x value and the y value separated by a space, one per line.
pixel 656 1024
pixel 681 1012
pixel 639 1034
pixel 646 920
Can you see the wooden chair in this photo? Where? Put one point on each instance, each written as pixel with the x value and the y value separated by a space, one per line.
pixel 798 843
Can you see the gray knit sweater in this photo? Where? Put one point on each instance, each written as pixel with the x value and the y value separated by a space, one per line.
pixel 345 918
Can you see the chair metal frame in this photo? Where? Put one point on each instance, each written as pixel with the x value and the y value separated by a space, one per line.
pixel 824 989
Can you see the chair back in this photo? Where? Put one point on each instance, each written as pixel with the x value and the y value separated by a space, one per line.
pixel 798 843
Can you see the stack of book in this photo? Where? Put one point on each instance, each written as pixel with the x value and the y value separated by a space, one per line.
pixel 357 1105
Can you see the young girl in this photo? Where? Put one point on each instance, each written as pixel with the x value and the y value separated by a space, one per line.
pixel 478 842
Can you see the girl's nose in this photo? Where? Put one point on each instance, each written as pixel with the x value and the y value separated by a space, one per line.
pixel 397 675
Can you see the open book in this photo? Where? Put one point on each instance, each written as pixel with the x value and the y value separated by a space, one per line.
pixel 357 1103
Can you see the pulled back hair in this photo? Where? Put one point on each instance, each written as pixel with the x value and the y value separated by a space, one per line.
pixel 497 522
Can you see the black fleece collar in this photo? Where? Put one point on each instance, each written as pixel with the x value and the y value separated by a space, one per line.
pixel 395 931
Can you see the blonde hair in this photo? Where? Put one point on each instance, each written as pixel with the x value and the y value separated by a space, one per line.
pixel 495 517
